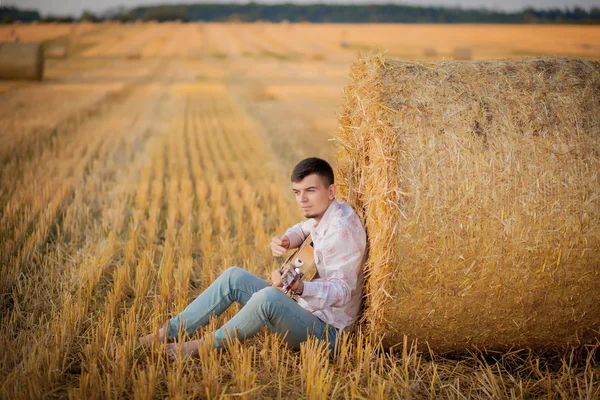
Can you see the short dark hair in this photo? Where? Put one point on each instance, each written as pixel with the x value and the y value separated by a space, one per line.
pixel 313 165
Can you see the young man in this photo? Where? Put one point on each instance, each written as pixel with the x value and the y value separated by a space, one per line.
pixel 326 306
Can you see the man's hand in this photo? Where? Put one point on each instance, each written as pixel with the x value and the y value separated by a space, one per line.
pixel 279 245
pixel 276 279
pixel 298 286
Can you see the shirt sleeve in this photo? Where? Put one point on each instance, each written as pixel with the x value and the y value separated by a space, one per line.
pixel 343 261
pixel 297 233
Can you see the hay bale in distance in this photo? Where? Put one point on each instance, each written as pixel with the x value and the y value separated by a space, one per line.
pixel 479 186
pixel 134 55
pixel 21 61
pixel 430 52
pixel 462 53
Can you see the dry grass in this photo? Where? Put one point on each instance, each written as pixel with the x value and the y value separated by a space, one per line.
pixel 127 186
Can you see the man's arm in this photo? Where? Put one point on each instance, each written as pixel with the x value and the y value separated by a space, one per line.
pixel 292 239
pixel 297 233
pixel 279 245
pixel 343 260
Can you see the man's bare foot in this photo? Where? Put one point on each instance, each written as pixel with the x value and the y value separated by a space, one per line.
pixel 148 339
pixel 187 349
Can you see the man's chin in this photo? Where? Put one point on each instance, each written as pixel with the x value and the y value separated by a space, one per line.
pixel 309 215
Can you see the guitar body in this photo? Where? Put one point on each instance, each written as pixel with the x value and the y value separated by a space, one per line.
pixel 302 259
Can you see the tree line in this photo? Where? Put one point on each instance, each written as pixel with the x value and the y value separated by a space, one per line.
pixel 366 13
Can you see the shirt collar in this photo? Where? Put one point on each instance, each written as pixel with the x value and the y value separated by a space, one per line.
pixel 321 228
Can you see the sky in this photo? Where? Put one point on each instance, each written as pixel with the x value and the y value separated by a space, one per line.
pixel 76 7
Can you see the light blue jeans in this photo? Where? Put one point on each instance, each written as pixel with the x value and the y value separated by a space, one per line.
pixel 263 305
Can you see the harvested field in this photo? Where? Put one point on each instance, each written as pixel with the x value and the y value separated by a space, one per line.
pixel 154 156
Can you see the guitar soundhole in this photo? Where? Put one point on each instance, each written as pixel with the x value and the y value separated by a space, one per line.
pixel 311 244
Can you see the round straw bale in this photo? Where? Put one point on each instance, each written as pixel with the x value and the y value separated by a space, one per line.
pixel 429 52
pixel 462 53
pixel 21 61
pixel 479 186
pixel 134 55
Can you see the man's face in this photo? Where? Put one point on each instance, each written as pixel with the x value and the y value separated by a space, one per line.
pixel 312 196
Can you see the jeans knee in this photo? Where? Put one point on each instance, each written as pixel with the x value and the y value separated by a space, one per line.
pixel 267 295
pixel 234 273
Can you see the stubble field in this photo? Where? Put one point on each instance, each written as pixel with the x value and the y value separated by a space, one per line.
pixel 154 156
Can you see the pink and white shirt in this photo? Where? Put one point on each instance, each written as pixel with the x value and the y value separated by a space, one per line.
pixel 339 242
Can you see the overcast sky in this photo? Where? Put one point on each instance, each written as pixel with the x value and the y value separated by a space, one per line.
pixel 75 7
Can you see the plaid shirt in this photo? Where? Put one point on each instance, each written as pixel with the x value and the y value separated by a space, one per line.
pixel 340 248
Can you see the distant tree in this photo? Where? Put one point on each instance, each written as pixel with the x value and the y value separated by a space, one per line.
pixel 315 12
pixel 89 17
pixel 166 13
pixel 114 13
pixel 13 14
pixel 530 15
pixel 57 18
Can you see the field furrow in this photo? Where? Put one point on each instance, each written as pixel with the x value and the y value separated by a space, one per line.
pixel 107 175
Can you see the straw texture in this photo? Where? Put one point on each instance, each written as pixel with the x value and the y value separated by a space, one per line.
pixel 478 183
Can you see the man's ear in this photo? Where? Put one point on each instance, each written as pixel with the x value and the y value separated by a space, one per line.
pixel 332 189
